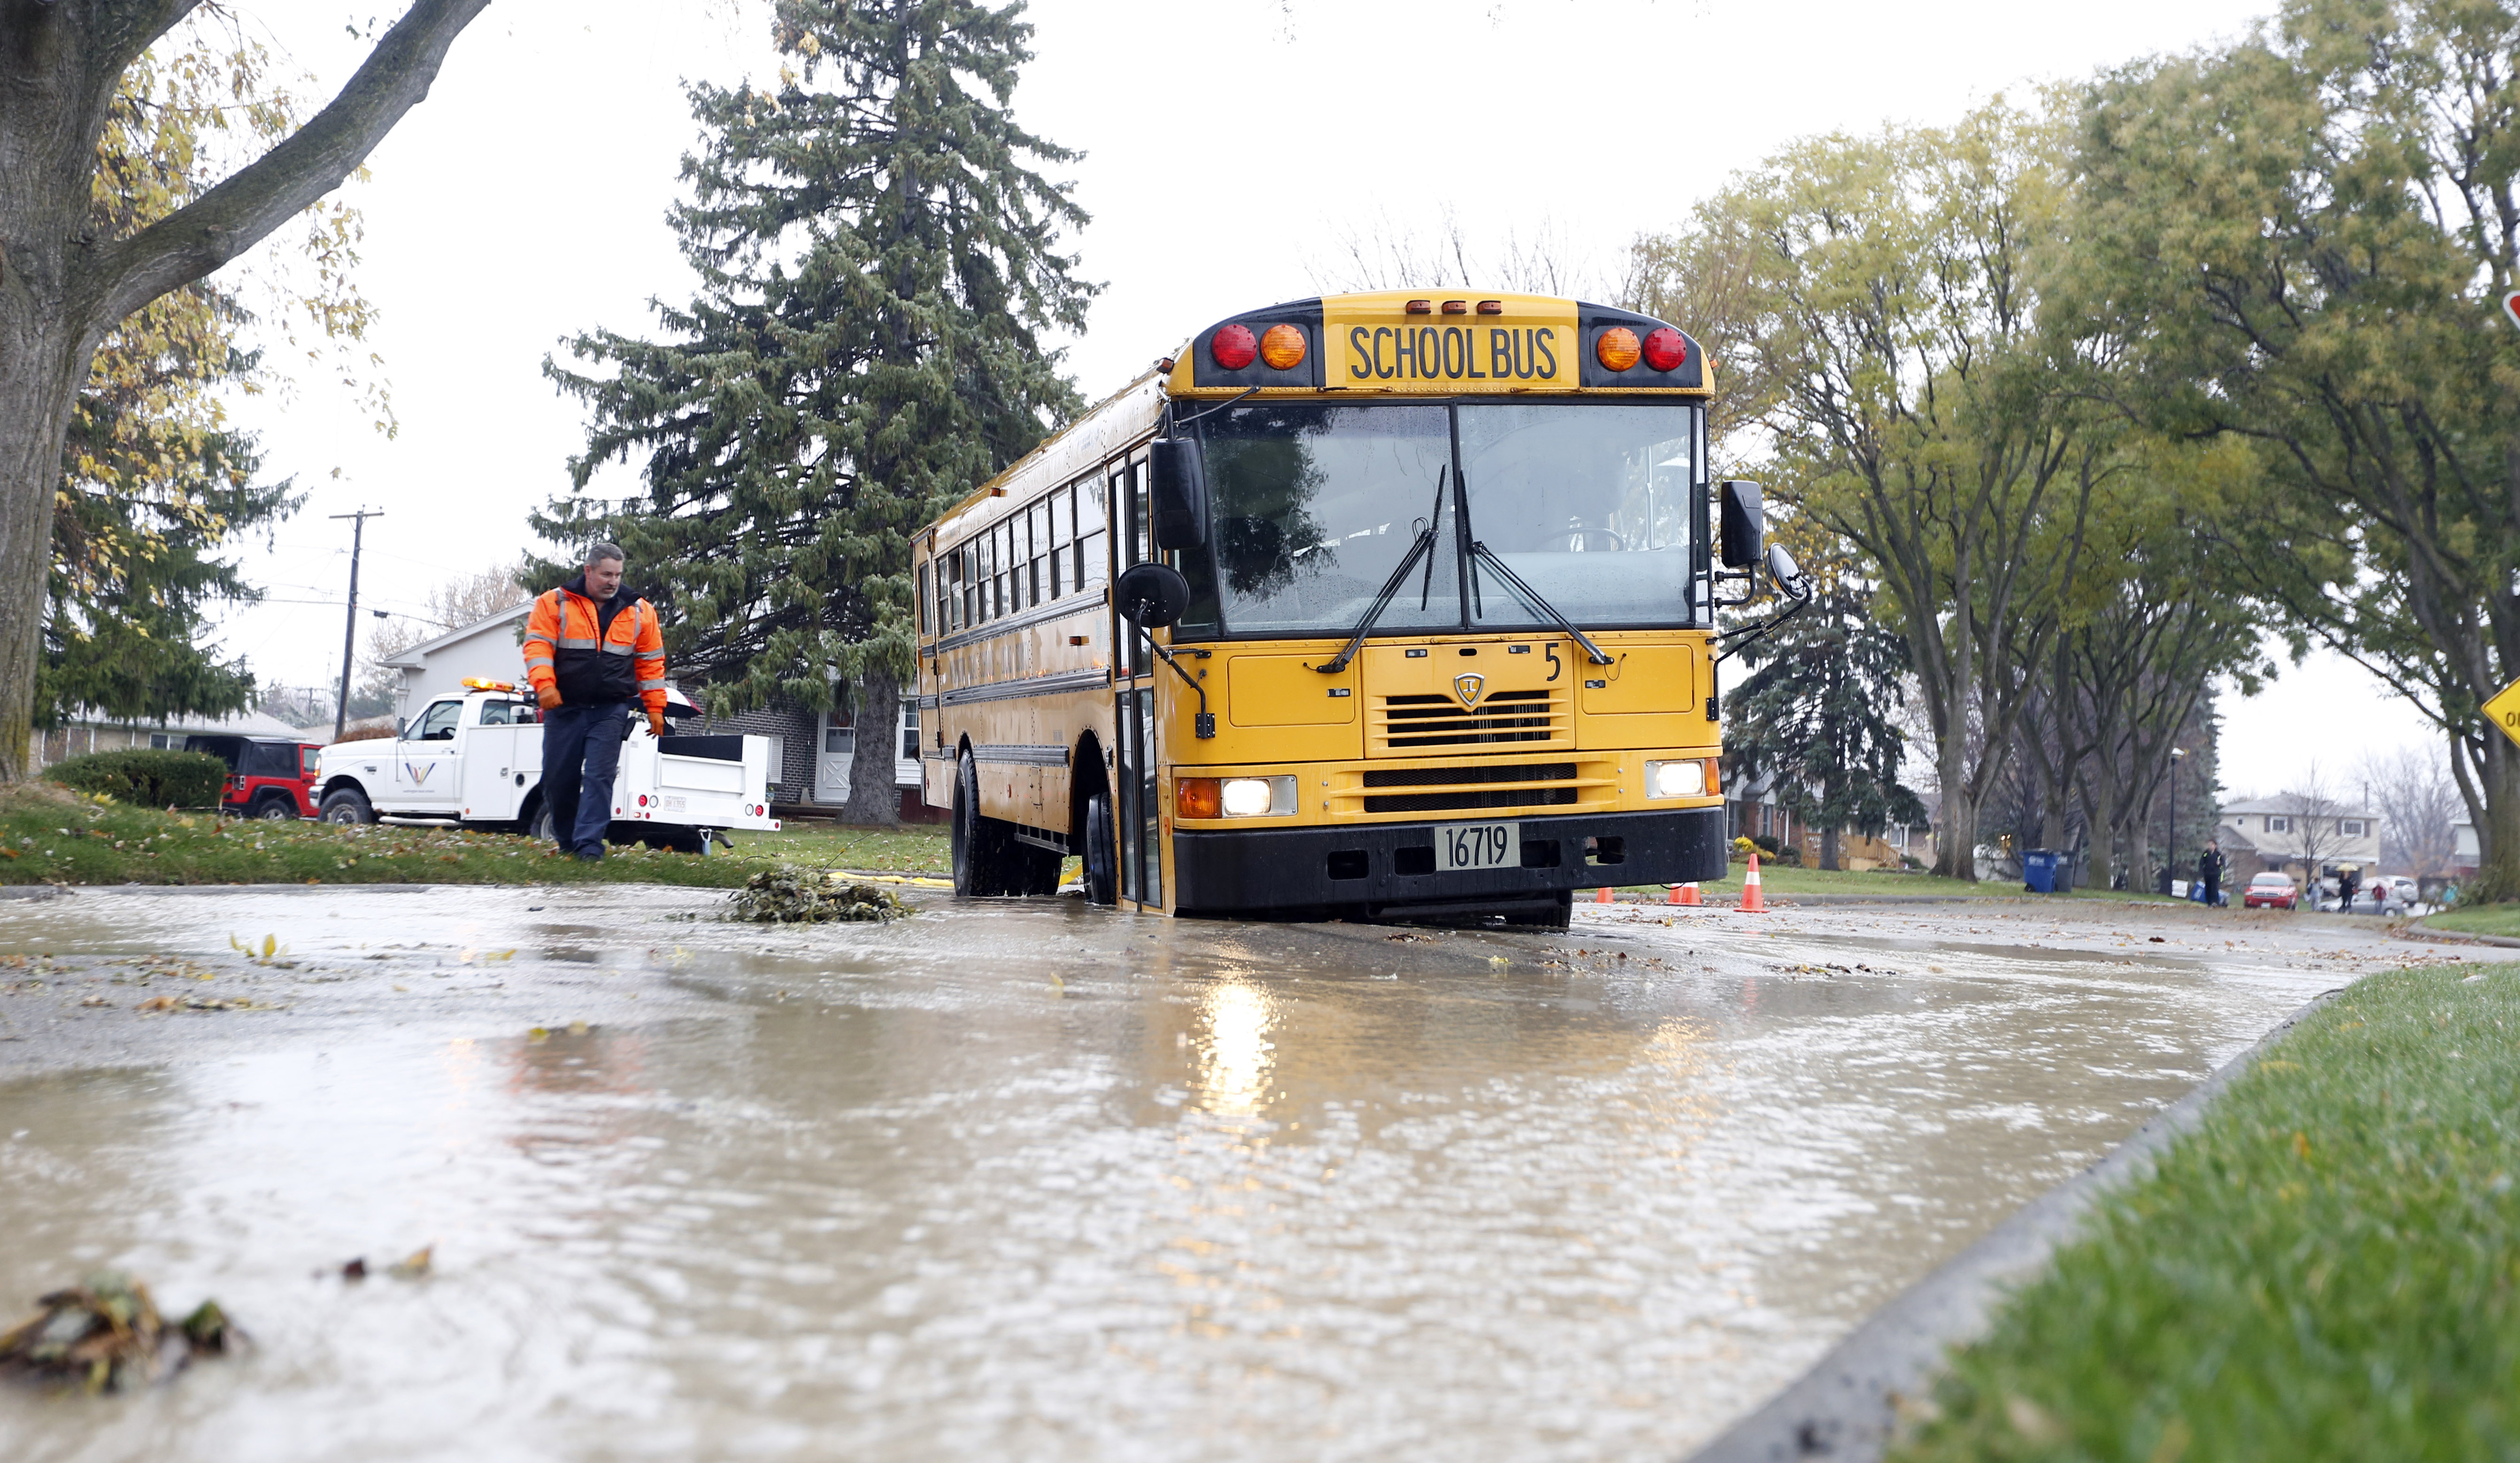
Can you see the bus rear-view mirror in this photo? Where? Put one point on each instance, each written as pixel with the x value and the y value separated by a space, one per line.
pixel 1150 596
pixel 1744 524
pixel 1180 494
pixel 1788 575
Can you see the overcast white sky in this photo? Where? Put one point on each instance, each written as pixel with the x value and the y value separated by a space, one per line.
pixel 1229 144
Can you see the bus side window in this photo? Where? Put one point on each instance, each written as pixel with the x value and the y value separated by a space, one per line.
pixel 927 609
pixel 1091 555
pixel 1063 526
pixel 989 580
pixel 1141 515
pixel 1037 529
pixel 966 573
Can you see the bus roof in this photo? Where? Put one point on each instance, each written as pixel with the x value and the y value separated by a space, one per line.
pixel 1445 342
pixel 1439 343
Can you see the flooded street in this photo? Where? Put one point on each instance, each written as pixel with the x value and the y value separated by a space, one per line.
pixel 1020 1179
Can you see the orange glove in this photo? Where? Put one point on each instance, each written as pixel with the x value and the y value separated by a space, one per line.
pixel 656 723
pixel 550 697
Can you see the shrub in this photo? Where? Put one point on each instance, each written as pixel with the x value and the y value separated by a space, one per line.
pixel 145 776
pixel 368 734
pixel 1766 844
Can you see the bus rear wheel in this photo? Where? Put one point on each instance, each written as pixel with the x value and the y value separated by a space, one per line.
pixel 1102 851
pixel 985 852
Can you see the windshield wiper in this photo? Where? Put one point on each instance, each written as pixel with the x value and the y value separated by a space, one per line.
pixel 1533 598
pixel 1425 548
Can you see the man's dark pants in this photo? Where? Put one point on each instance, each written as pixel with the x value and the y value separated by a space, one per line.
pixel 581 751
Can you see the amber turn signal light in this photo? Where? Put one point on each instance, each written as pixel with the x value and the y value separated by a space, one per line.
pixel 1283 347
pixel 1616 349
pixel 1198 798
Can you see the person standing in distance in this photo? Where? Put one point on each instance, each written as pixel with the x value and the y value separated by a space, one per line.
pixel 2209 866
pixel 593 651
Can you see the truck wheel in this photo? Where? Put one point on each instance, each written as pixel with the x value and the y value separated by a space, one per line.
pixel 539 825
pixel 276 807
pixel 984 847
pixel 347 805
pixel 1102 852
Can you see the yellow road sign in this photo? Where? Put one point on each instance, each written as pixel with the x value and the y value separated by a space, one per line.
pixel 2504 709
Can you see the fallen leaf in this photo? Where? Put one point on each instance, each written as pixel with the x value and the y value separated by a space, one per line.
pixel 411 1266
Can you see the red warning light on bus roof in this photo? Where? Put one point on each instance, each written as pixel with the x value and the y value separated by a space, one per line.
pixel 1233 347
pixel 1666 349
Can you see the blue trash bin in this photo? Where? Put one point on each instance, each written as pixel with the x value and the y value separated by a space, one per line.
pixel 2038 871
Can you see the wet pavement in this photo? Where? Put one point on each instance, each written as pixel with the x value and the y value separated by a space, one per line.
pixel 1021 1179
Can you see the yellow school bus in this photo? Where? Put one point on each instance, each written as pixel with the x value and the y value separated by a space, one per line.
pixel 1387 604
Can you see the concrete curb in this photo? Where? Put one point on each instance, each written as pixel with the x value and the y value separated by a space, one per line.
pixel 32 892
pixel 1787 901
pixel 1846 1406
pixel 2419 929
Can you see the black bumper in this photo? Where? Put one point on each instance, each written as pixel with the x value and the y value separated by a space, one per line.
pixel 1381 866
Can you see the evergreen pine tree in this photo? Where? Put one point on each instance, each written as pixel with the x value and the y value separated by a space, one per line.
pixel 1815 715
pixel 877 254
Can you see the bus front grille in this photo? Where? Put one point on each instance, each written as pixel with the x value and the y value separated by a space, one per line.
pixel 1417 724
pixel 1442 788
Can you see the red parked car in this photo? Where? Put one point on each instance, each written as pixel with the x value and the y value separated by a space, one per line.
pixel 2270 890
pixel 267 777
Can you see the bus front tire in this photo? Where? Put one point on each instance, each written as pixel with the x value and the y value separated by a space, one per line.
pixel 1558 916
pixel 1102 852
pixel 984 849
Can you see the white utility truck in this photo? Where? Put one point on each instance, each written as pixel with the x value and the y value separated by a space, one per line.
pixel 475 760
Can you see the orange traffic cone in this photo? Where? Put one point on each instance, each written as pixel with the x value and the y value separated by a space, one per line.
pixel 1686 893
pixel 1753 901
pixel 1603 897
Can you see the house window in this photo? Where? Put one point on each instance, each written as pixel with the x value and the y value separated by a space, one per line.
pixel 2278 825
pixel 164 742
pixel 2354 828
pixel 909 733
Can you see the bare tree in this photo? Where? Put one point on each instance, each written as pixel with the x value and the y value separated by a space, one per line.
pixel 2419 807
pixel 1382 255
pixel 465 599
pixel 63 284
pixel 2315 829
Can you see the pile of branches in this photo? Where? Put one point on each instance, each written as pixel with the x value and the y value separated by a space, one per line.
pixel 803 896
pixel 105 1333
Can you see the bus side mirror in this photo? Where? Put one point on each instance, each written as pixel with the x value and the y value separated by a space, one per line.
pixel 1180 494
pixel 1788 574
pixel 1150 596
pixel 1745 524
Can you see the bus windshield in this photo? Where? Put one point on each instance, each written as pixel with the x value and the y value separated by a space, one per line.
pixel 1595 506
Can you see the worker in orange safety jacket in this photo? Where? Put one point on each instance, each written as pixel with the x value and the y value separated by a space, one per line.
pixel 593 650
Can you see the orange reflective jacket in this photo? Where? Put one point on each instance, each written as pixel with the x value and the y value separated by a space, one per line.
pixel 567 645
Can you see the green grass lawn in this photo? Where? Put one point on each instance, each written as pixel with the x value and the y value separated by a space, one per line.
pixel 911 849
pixel 50 837
pixel 2327 1268
pixel 2478 919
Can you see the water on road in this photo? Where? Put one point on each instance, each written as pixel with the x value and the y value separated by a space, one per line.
pixel 1019 1179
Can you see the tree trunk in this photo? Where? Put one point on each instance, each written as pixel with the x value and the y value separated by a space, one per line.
pixel 2104 820
pixel 2498 838
pixel 1955 841
pixel 1828 847
pixel 41 367
pixel 873 798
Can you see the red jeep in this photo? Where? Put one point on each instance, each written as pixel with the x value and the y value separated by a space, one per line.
pixel 267 778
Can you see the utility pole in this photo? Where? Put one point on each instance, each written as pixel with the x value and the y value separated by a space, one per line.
pixel 2178 755
pixel 350 625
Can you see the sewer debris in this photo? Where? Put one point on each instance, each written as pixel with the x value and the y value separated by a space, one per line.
pixel 797 896
pixel 105 1333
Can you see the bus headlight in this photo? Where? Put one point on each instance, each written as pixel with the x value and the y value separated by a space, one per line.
pixel 1675 779
pixel 1259 796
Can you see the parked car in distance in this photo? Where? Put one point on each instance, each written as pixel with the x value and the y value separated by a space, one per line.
pixel 2270 890
pixel 267 777
pixel 2405 887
